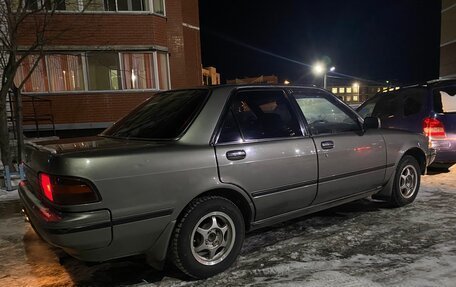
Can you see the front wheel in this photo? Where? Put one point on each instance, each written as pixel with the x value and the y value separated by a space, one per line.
pixel 406 182
pixel 208 237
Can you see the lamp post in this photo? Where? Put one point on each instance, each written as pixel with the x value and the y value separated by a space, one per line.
pixel 320 69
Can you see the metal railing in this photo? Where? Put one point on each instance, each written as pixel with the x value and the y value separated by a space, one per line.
pixel 36 110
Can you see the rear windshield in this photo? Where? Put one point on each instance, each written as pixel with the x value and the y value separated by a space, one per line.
pixel 164 116
pixel 445 100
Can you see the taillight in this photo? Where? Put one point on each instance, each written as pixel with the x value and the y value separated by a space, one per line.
pixel 66 190
pixel 433 128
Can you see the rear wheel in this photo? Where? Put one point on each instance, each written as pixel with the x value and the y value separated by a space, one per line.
pixel 208 237
pixel 406 182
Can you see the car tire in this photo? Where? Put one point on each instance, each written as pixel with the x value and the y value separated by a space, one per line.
pixel 406 182
pixel 208 237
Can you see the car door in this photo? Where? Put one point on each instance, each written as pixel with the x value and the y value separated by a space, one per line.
pixel 350 161
pixel 261 148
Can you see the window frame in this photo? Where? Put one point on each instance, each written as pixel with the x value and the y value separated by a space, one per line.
pixel 227 109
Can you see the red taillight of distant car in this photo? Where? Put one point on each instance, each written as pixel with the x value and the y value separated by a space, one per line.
pixel 433 128
pixel 66 191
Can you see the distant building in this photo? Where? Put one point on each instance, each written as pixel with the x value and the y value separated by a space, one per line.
pixel 448 39
pixel 357 93
pixel 255 80
pixel 210 76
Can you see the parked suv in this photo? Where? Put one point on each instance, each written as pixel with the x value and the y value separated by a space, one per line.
pixel 429 109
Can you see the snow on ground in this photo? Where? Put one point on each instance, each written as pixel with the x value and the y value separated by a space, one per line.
pixel 364 243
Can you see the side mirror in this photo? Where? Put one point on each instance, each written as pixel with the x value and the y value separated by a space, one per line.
pixel 371 123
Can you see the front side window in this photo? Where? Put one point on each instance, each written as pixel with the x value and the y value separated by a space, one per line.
pixel 324 116
pixel 164 116
pixel 387 107
pixel 264 114
pixel 65 73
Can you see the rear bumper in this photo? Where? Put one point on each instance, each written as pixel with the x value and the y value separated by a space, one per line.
pixel 95 235
pixel 78 231
pixel 446 150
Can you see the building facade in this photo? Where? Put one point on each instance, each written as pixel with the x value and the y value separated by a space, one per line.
pixel 255 80
pixel 448 39
pixel 210 76
pixel 357 93
pixel 112 55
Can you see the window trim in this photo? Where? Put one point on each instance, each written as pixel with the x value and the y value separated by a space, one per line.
pixel 227 108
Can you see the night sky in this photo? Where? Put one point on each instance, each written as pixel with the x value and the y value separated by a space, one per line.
pixel 396 40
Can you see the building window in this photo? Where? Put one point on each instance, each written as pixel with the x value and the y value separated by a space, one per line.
pixel 334 90
pixel 341 90
pixel 349 90
pixel 163 71
pixel 138 71
pixel 355 98
pixel 132 5
pixel 37 81
pixel 95 71
pixel 348 98
pixel 103 71
pixel 65 73
pixel 159 6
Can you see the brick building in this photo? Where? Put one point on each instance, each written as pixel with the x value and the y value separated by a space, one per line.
pixel 255 80
pixel 113 55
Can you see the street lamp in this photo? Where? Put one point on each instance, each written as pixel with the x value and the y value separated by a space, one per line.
pixel 320 69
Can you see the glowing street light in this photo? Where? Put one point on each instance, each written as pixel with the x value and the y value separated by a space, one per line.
pixel 320 69
pixel 286 82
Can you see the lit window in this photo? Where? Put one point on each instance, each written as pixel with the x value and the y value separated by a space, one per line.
pixel 334 90
pixel 163 72
pixel 348 98
pixel 97 5
pixel 159 7
pixel 65 73
pixel 355 98
pixel 37 82
pixel 138 71
pixel 341 90
pixel 349 90
pixel 103 71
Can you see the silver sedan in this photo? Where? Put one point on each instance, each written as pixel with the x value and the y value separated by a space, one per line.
pixel 188 172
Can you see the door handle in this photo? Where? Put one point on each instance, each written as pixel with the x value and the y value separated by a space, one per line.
pixel 235 154
pixel 327 145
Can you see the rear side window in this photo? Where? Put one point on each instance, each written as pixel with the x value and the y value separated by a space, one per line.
pixel 445 99
pixel 259 115
pixel 164 116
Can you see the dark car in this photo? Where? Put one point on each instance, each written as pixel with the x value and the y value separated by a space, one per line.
pixel 429 109
pixel 188 172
